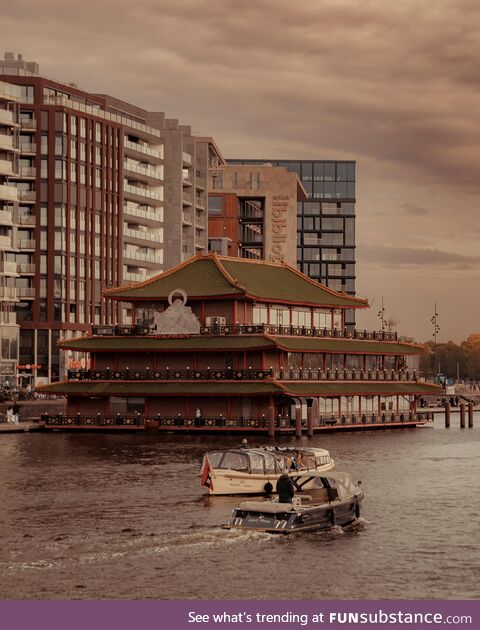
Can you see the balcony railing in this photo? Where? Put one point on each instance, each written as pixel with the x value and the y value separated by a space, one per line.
pixel 167 374
pixel 187 158
pixel 8 318
pixel 8 193
pixel 26 268
pixel 6 266
pixel 133 420
pixel 28 195
pixel 6 167
pixel 28 123
pixel 142 148
pixel 235 375
pixel 28 243
pixel 141 192
pixel 9 293
pixel 26 292
pixel 134 211
pixel 141 170
pixel 6 143
pixel 28 147
pixel 6 117
pixel 257 329
pixel 6 216
pixel 142 235
pixel 142 257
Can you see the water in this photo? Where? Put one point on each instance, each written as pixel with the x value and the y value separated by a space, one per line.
pixel 123 516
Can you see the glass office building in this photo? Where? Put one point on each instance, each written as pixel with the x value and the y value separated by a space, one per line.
pixel 325 223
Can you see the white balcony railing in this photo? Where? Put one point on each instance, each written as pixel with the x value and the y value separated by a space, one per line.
pixel 27 243
pixel 6 143
pixel 134 167
pixel 6 117
pixel 8 318
pixel 28 147
pixel 28 123
pixel 26 268
pixel 8 293
pixel 141 192
pixel 10 92
pixel 6 167
pixel 143 235
pixel 25 292
pixel 28 195
pixel 8 267
pixel 8 193
pixel 128 276
pixel 27 171
pixel 187 158
pixel 6 216
pixel 144 257
pixel 26 219
pixel 142 148
pixel 135 211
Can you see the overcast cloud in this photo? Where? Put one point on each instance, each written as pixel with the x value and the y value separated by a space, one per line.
pixel 394 86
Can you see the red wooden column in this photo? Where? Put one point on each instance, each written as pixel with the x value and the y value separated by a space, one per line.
pixel 271 418
pixel 298 421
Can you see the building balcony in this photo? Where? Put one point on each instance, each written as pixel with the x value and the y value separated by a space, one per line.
pixel 139 150
pixel 8 293
pixel 147 174
pixel 6 167
pixel 26 219
pixel 187 199
pixel 26 293
pixel 8 268
pixel 199 203
pixel 137 193
pixel 145 259
pixel 149 217
pixel 7 143
pixel 200 223
pixel 6 217
pixel 200 245
pixel 187 219
pixel 28 124
pixel 28 148
pixel 25 244
pixel 8 193
pixel 6 118
pixel 26 172
pixel 26 268
pixel 28 196
pixel 187 159
pixel 128 276
pixel 9 92
pixel 7 318
pixel 6 242
pixel 186 181
pixel 140 235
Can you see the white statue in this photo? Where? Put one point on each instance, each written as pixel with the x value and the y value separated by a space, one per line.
pixel 177 319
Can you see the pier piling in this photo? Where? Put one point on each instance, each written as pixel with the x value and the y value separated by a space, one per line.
pixel 310 421
pixel 447 415
pixel 298 421
pixel 470 415
pixel 462 415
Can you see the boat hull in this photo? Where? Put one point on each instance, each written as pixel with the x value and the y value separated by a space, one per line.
pixel 285 519
pixel 231 482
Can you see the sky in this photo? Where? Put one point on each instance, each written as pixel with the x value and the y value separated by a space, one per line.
pixel 394 86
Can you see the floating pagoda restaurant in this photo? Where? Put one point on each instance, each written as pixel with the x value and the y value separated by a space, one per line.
pixel 227 344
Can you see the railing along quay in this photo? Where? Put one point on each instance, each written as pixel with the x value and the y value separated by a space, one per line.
pixel 233 375
pixel 132 421
pixel 253 329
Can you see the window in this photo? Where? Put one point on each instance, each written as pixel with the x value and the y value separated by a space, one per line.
pixel 279 316
pixel 260 315
pixel 215 205
pixel 301 317
pixel 322 318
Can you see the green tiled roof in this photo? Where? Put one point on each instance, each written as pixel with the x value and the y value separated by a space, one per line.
pixel 144 388
pixel 149 344
pixel 283 283
pixel 238 342
pixel 211 275
pixel 349 388
pixel 199 277
pixel 347 346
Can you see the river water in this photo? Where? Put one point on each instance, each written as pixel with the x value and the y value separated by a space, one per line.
pixel 123 516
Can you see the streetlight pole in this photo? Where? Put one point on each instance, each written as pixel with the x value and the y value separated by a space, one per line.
pixel 381 315
pixel 436 330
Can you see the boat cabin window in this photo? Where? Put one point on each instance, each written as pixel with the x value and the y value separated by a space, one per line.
pixel 256 463
pixel 234 461
pixel 215 458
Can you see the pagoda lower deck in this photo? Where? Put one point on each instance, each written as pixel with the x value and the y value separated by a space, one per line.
pixel 283 426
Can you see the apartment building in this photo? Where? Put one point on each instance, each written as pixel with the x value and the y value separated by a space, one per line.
pixel 325 221
pixel 9 218
pixel 103 193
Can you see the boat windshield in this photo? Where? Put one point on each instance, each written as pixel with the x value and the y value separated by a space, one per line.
pixel 233 460
pixel 252 461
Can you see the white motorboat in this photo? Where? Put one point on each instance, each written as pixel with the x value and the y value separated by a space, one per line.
pixel 256 470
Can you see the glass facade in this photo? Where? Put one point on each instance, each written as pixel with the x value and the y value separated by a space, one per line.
pixel 325 223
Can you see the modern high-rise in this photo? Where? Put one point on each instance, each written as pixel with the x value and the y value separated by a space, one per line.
pixel 325 222
pixel 9 168
pixel 96 185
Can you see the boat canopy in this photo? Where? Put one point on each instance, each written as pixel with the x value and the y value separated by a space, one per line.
pixel 341 481
pixel 249 461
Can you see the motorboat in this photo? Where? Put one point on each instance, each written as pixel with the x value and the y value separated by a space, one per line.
pixel 337 501
pixel 256 470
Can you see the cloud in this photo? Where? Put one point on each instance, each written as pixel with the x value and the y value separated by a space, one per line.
pixel 415 257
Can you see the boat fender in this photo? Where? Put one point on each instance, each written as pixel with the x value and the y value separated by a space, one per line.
pixel 333 518
pixel 268 488
pixel 357 508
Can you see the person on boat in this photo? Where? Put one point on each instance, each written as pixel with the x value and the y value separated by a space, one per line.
pixel 244 443
pixel 285 489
